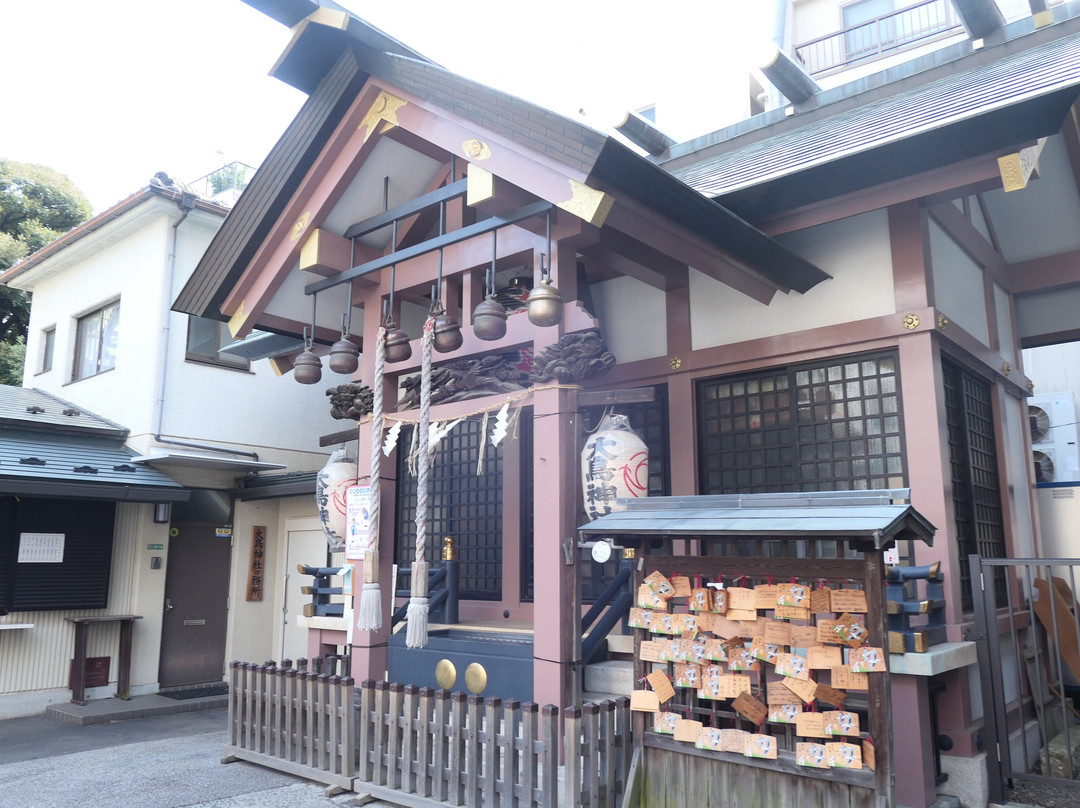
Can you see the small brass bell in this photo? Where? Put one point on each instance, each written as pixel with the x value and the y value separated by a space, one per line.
pixel 398 348
pixel 344 356
pixel 545 305
pixel 489 320
pixel 307 367
pixel 447 333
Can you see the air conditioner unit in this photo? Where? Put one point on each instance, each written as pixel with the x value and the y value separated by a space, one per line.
pixel 1044 464
pixel 1054 444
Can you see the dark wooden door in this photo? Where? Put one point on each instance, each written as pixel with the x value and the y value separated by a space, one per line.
pixel 196 606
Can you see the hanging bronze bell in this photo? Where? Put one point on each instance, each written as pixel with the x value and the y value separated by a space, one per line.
pixel 489 320
pixel 307 367
pixel 447 333
pixel 545 305
pixel 398 348
pixel 344 356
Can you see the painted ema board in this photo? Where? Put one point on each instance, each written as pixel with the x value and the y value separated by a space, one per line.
pixel 41 548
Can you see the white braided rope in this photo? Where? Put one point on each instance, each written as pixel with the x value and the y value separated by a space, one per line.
pixel 423 428
pixel 369 615
pixel 416 634
pixel 376 434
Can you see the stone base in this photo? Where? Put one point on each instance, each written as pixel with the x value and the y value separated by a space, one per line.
pixel 967 780
pixel 1059 753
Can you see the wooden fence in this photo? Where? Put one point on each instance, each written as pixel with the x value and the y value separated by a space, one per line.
pixel 421 747
pixel 296 721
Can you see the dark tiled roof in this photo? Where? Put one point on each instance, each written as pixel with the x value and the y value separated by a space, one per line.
pixel 1021 95
pixel 66 458
pixel 24 408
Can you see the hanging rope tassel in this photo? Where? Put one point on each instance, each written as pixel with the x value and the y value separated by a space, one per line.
pixel 369 617
pixel 417 633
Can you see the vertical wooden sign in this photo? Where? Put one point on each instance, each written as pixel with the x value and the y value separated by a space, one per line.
pixel 255 565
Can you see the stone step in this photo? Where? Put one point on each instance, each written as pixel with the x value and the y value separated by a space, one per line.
pixel 614 676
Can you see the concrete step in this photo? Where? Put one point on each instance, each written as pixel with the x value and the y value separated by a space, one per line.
pixel 614 676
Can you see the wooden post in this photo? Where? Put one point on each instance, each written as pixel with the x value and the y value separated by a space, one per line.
pixel 608 757
pixel 590 750
pixel 291 706
pixel 472 752
pixel 427 735
pixel 458 741
pixel 348 719
pixel 393 736
pixel 555 489
pixel 572 756
pixel 624 740
pixel 549 771
pixel 439 773
pixel 381 717
pixel 491 750
pixel 508 752
pixel 529 751
pixel 408 741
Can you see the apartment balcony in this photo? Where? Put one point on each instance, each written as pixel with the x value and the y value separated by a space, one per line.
pixel 884 36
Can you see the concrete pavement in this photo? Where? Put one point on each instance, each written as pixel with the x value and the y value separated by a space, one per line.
pixel 166 761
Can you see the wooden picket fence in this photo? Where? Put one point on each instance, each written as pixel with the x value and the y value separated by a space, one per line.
pixel 294 720
pixel 421 747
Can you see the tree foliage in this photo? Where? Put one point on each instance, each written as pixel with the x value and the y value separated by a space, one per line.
pixel 37 204
pixel 11 362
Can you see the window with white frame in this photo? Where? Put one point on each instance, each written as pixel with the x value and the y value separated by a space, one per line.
pixel 48 344
pixel 95 341
pixel 206 340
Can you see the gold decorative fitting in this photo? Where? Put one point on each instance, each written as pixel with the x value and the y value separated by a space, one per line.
pixel 1006 368
pixel 911 321
pixel 445 674
pixel 675 363
pixel 1031 386
pixel 449 552
pixel 301 225
pixel 628 552
pixel 476 149
pixel 942 321
pixel 383 113
pixel 475 678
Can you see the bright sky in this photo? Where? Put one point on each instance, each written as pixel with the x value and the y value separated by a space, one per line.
pixel 110 92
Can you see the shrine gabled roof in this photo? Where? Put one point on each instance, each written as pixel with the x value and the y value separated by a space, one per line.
pixel 873 515
pixel 582 150
pixel 975 105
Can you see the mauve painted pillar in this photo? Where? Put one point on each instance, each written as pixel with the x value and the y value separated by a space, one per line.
pixel 913 754
pixel 555 498
pixel 370 655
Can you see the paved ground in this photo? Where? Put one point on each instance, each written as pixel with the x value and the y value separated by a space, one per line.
pixel 166 761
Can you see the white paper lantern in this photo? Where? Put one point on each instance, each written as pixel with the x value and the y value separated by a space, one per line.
pixel 331 485
pixel 614 465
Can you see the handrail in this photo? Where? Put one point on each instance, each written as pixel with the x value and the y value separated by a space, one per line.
pixel 605 597
pixel 617 598
pixel 885 34
pixel 442 592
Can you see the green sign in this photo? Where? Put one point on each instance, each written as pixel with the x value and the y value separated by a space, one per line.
pixel 155 547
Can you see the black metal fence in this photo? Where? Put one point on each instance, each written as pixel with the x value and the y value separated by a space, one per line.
pixel 1029 664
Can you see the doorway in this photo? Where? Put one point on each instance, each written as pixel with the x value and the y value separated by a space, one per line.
pixel 195 615
pixel 305 543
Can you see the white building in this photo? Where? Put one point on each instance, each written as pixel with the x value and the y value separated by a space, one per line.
pixel 103 339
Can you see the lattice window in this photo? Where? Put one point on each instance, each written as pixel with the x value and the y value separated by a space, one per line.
pixel 463 504
pixel 827 426
pixel 975 485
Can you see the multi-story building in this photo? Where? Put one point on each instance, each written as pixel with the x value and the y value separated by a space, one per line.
pixel 216 426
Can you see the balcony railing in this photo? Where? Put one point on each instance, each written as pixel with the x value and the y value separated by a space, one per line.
pixel 879 37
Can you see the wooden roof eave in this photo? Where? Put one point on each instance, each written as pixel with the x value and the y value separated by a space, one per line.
pixel 260 206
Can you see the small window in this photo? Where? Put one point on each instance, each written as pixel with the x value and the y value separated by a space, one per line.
pixel 95 342
pixel 206 340
pixel 48 342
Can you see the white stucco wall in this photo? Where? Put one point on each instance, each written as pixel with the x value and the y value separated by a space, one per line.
pixel 1005 331
pixel 854 251
pixel 958 285
pixel 128 259
pixel 633 318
